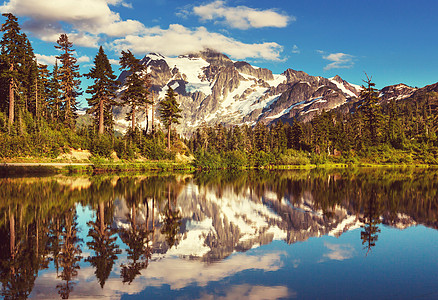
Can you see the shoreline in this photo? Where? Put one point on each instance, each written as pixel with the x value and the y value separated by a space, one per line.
pixel 17 168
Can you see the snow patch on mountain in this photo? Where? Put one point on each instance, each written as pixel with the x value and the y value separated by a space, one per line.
pixel 214 89
pixel 342 87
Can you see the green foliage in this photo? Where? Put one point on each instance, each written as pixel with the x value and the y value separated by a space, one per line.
pixel 294 157
pixel 207 160
pixel 103 92
pixel 68 79
pixel 155 149
pixel 136 85
pixel 125 149
pixel 169 111
pixel 262 159
pixel 102 146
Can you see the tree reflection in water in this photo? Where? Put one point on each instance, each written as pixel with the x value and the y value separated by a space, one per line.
pixel 103 244
pixel 137 235
pixel 172 220
pixel 39 228
pixel 370 220
pixel 69 255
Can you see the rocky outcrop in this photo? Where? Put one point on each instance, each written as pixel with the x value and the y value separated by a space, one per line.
pixel 396 92
pixel 261 73
pixel 213 89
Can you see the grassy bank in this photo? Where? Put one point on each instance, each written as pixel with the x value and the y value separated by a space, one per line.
pixel 45 167
pixel 290 160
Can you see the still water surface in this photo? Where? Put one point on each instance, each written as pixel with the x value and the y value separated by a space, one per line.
pixel 363 234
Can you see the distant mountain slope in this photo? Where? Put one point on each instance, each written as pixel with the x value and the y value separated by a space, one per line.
pixel 214 89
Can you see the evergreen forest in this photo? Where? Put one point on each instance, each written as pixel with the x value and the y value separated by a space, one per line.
pixel 39 118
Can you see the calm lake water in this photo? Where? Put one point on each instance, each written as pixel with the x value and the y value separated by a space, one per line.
pixel 358 234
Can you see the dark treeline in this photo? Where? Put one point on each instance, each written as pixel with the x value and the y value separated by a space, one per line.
pixel 39 106
pixel 366 130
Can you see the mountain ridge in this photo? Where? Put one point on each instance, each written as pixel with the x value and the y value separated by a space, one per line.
pixel 214 89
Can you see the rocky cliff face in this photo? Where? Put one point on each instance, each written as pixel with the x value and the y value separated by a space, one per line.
pixel 214 89
pixel 396 92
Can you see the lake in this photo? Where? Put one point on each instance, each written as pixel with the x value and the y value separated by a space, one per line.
pixel 304 234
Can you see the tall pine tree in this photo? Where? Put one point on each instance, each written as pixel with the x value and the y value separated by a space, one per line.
pixel 102 91
pixel 136 92
pixel 54 94
pixel 12 57
pixel 371 111
pixel 69 82
pixel 43 90
pixel 169 112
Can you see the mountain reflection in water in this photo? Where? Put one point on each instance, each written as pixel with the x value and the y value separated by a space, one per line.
pixel 212 234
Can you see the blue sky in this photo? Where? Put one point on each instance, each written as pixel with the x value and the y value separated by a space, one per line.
pixel 392 41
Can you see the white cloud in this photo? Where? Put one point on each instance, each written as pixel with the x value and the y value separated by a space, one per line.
pixel 339 251
pixel 46 59
pixel 114 61
pixel 246 291
pixel 178 39
pixel 296 50
pixel 173 272
pixel 127 5
pixel 89 23
pixel 241 17
pixel 51 59
pixel 82 59
pixel 338 60
pixel 88 19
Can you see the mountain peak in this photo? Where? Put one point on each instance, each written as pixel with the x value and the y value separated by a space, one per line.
pixel 214 89
pixel 337 78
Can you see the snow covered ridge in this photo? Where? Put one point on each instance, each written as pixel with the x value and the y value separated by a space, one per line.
pixel 214 89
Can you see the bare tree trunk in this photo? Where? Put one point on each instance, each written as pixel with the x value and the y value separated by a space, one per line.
pixel 168 137
pixel 57 109
pixel 67 111
pixel 147 118
pixel 133 118
pixel 168 198
pixel 101 127
pixel 37 229
pixel 153 112
pixel 133 218
pixel 153 217
pixel 12 232
pixel 36 99
pixel 20 122
pixel 11 101
pixel 101 218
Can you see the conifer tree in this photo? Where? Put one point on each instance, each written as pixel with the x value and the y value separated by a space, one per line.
pixel 169 112
pixel 295 140
pixel 54 95
pixel 135 93
pixel 12 54
pixel 28 78
pixel 260 137
pixel 371 110
pixel 68 77
pixel 102 91
pixel 43 90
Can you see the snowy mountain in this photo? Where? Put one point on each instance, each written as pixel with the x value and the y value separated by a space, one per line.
pixel 396 92
pixel 214 89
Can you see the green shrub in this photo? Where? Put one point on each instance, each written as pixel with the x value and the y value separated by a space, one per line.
pixel 294 157
pixel 102 146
